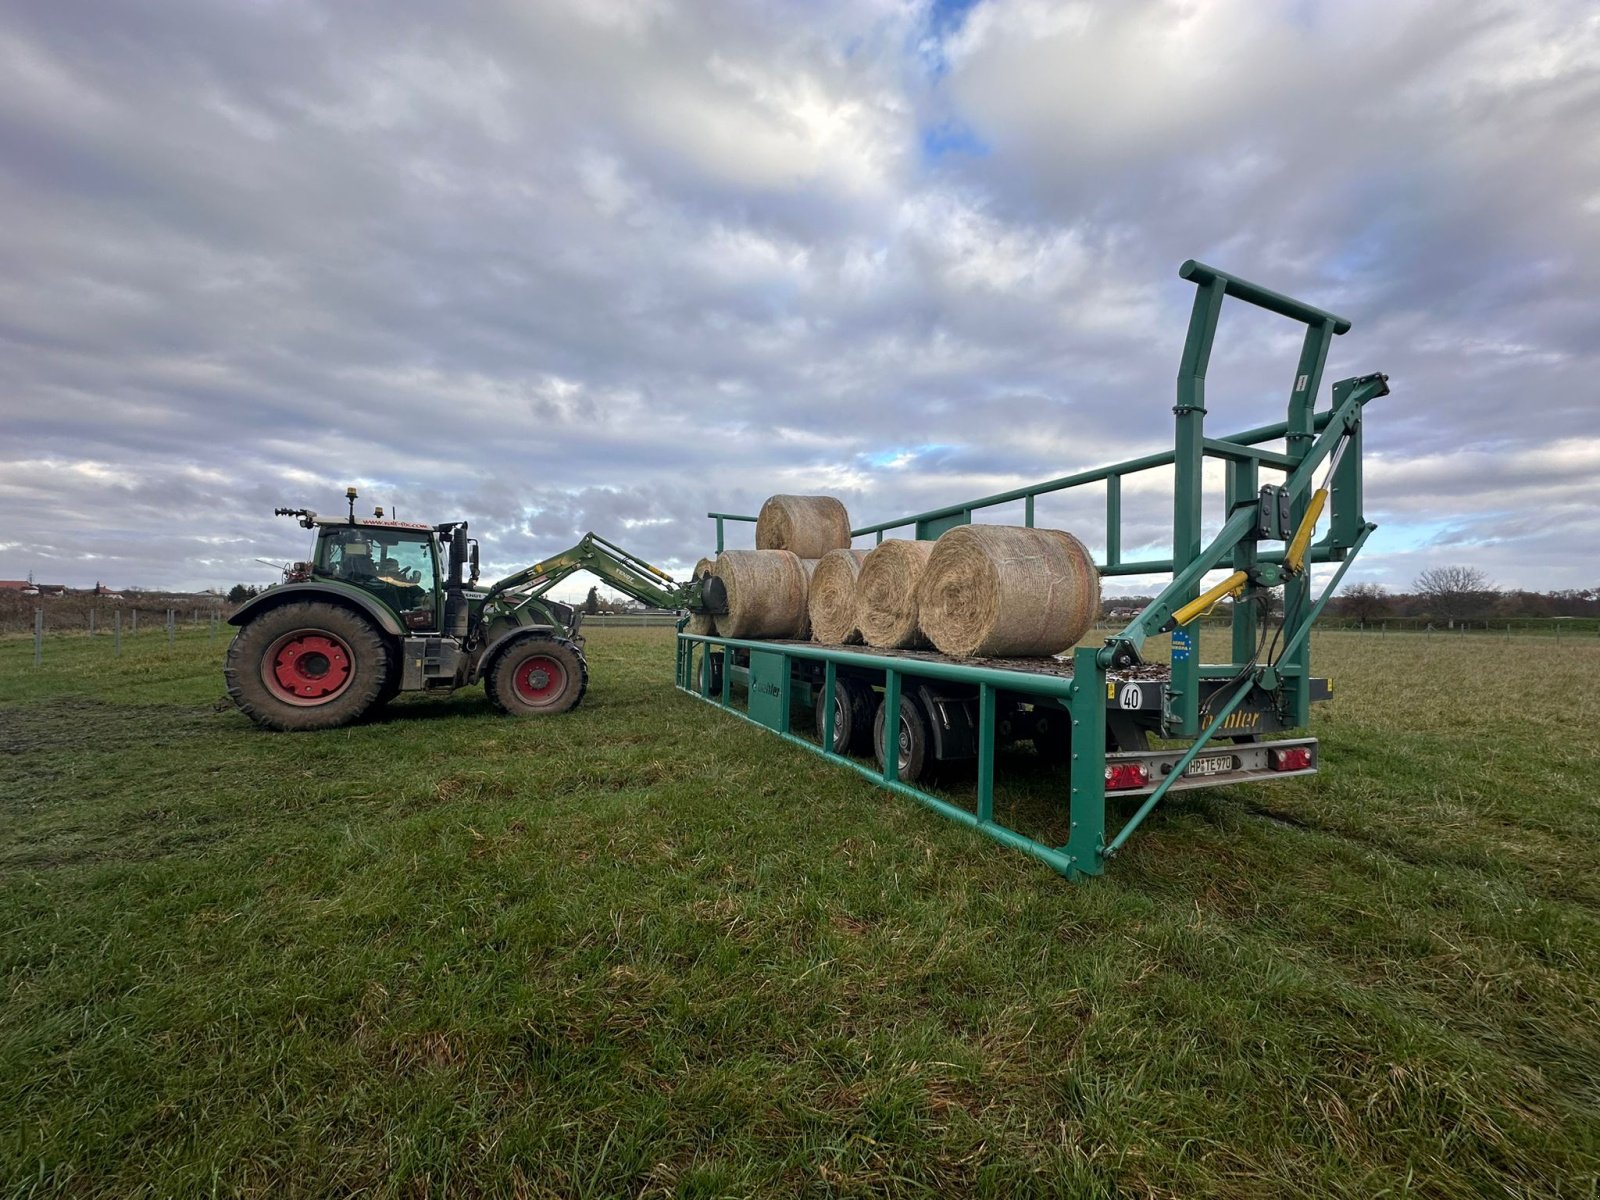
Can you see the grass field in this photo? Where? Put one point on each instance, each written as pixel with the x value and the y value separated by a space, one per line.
pixel 648 949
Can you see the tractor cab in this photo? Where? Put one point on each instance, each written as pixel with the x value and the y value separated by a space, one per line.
pixel 396 563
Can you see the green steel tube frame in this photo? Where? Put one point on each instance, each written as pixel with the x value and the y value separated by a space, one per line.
pixel 1083 851
pixel 1309 436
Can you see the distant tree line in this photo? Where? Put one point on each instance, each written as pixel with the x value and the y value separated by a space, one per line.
pixel 594 604
pixel 1448 595
pixel 1444 596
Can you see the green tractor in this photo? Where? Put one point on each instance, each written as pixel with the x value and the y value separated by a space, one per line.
pixel 385 606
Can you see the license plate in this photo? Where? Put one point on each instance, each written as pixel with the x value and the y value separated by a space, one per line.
pixel 1211 764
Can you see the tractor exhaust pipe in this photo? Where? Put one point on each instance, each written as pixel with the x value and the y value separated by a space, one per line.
pixel 455 593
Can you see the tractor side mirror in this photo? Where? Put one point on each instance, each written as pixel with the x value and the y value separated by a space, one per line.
pixel 472 558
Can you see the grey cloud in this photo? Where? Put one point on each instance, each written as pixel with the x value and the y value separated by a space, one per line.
pixel 574 266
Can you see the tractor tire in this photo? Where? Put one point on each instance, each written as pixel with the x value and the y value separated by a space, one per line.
pixel 854 707
pixel 387 692
pixel 915 741
pixel 307 665
pixel 538 676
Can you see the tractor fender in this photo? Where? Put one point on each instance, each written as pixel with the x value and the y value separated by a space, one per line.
pixel 333 593
pixel 504 642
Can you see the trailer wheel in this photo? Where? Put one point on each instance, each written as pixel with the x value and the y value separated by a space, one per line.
pixel 538 676
pixel 855 706
pixel 306 666
pixel 916 743
pixel 1052 735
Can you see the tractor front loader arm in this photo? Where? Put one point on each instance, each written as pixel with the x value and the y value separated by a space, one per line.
pixel 626 572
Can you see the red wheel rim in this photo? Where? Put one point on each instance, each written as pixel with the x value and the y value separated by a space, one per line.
pixel 307 667
pixel 539 680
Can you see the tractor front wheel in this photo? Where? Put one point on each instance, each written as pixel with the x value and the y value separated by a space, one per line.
pixel 538 676
pixel 306 666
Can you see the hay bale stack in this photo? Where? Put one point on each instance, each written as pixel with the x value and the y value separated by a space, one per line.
pixel 701 623
pixel 766 593
pixel 886 595
pixel 832 603
pixel 1006 590
pixel 808 525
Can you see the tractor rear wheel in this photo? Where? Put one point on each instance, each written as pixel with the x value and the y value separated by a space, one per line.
pixel 538 676
pixel 306 666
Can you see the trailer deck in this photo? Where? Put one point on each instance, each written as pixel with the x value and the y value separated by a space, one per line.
pixel 1057 665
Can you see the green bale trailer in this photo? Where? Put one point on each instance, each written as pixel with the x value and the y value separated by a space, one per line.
pixel 1098 712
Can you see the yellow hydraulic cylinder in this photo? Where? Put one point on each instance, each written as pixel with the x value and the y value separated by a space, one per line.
pixel 1294 559
pixel 1202 604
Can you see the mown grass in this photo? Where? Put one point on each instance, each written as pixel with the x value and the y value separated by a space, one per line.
pixel 651 950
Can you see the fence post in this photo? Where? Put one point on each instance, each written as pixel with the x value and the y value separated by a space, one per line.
pixel 116 635
pixel 91 620
pixel 213 634
pixel 38 635
pixel 136 622
pixel 172 625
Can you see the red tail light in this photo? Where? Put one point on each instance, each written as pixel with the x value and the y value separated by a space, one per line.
pixel 1122 776
pixel 1294 758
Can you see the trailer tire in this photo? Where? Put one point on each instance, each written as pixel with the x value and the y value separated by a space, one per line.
pixel 538 677
pixel 1052 735
pixel 916 740
pixel 306 665
pixel 855 709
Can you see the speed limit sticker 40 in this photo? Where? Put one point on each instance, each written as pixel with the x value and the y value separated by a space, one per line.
pixel 1130 696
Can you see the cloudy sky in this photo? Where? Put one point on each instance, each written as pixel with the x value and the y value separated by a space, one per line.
pixel 599 265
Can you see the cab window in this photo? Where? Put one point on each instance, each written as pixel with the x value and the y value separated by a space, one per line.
pixel 405 560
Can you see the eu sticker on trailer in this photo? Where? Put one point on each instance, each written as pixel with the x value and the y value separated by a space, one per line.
pixel 1211 764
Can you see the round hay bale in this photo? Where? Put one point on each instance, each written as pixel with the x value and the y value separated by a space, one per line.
pixel 702 623
pixel 808 525
pixel 886 594
pixel 994 590
pixel 766 593
pixel 809 566
pixel 832 603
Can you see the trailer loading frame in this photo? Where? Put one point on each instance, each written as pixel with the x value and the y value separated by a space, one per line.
pixel 1097 709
